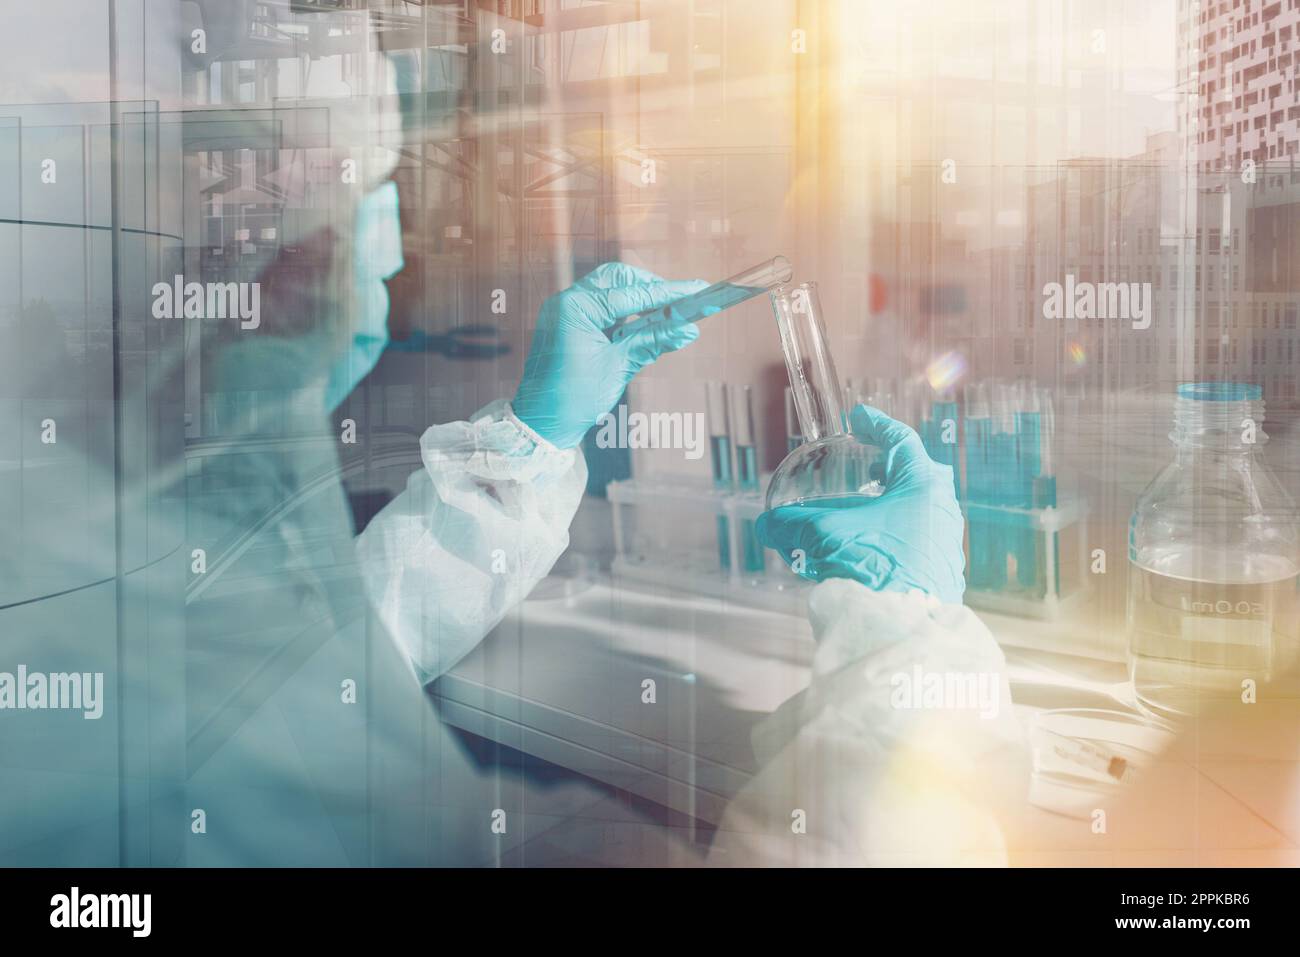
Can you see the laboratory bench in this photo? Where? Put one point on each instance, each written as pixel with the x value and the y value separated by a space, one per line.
pixel 656 695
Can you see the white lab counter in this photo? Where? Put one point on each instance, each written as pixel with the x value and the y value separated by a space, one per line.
pixel 565 680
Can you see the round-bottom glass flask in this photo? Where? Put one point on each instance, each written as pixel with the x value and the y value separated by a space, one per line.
pixel 832 467
pixel 831 471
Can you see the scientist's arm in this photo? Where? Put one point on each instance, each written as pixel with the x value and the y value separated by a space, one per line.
pixel 488 515
pixel 904 749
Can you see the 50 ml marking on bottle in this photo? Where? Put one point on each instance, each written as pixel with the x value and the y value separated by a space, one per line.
pixel 1223 607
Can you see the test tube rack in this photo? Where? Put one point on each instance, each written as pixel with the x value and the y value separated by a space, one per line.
pixel 664 539
pixel 1057 578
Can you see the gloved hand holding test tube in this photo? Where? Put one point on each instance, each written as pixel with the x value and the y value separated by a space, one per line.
pixel 713 299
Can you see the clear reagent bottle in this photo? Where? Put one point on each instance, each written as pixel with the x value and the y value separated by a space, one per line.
pixel 1212 598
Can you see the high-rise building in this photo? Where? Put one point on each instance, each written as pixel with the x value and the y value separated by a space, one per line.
pixel 1238 58
pixel 1238 66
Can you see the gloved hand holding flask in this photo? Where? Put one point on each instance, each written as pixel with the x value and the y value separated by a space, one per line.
pixel 909 537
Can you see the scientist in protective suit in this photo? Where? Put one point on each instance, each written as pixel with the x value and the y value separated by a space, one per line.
pixel 269 707
pixel 291 681
pixel 291 678
pixel 311 740
pixel 302 778
pixel 292 771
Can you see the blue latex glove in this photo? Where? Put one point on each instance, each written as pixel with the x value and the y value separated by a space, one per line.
pixel 574 374
pixel 910 537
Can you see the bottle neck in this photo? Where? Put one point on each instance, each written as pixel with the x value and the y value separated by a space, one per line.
pixel 1227 428
pixel 1209 456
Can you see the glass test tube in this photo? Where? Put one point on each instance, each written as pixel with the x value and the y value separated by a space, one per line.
pixel 851 398
pixel 979 430
pixel 1044 494
pixel 718 412
pixel 742 430
pixel 1002 487
pixel 1029 452
pixel 910 404
pixel 713 299
pixel 945 440
pixel 879 394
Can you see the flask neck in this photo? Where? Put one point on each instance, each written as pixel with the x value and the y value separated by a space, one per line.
pixel 825 414
pixel 814 383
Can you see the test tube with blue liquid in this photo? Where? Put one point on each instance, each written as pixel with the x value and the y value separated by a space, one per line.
pixel 712 299
pixel 718 412
pixel 1043 495
pixel 944 427
pixel 1028 455
pixel 1005 484
pixel 742 426
pixel 979 433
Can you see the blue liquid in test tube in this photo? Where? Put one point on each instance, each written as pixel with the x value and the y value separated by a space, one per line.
pixel 713 299
pixel 720 445
pixel 1028 465
pixel 719 415
pixel 979 427
pixel 746 473
pixel 1002 486
pixel 945 421
pixel 1044 495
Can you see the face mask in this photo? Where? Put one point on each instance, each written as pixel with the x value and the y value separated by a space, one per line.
pixel 377 255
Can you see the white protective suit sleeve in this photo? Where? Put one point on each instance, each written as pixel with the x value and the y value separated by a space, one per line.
pixel 904 749
pixel 472 533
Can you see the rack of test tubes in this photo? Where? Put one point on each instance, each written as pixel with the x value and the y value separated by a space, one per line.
pixel 697 535
pixel 1024 542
